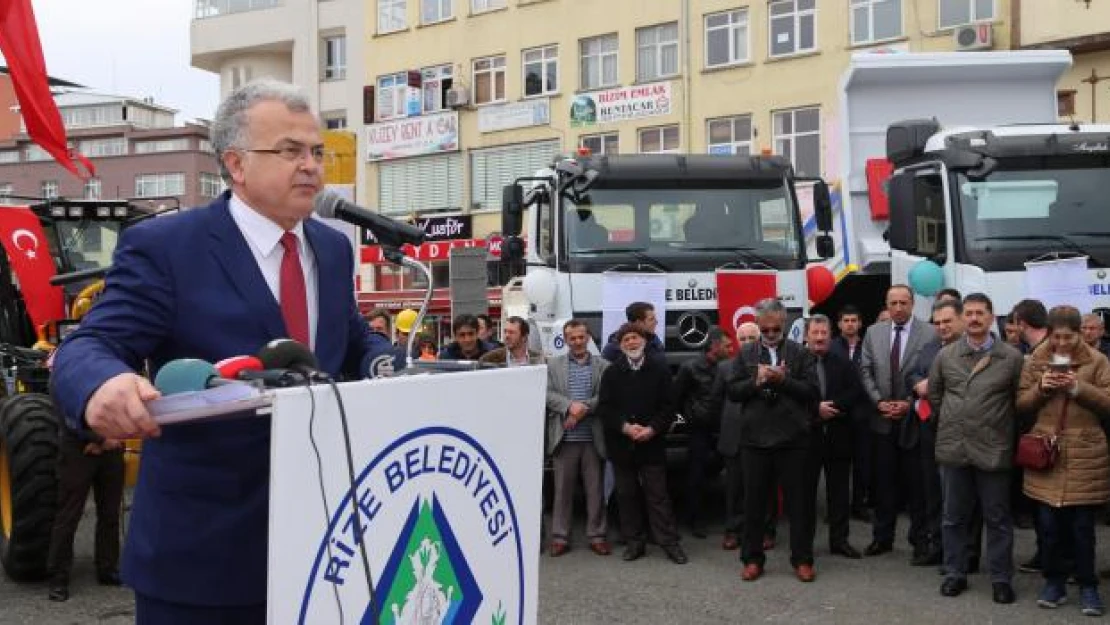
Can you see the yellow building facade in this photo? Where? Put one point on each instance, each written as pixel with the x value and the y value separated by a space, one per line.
pixel 465 95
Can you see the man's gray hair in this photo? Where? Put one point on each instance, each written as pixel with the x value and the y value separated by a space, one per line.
pixel 818 319
pixel 770 305
pixel 229 129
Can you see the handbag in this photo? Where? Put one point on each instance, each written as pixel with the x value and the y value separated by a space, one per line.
pixel 1038 451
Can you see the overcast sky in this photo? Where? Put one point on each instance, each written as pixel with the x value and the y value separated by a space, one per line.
pixel 127 47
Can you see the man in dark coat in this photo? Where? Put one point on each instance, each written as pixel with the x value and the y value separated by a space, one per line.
pixel 777 387
pixel 849 345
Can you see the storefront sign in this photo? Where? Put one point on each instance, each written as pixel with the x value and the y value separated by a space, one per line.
pixel 434 250
pixel 621 104
pixel 514 115
pixel 414 136
pixel 436 229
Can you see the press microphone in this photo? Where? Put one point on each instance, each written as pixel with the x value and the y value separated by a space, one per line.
pixel 188 374
pixel 293 356
pixel 388 232
pixel 232 368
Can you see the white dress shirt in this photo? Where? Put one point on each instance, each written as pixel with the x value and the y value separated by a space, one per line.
pixel 264 240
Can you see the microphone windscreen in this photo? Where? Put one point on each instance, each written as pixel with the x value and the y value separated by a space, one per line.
pixel 184 375
pixel 287 354
pixel 230 368
pixel 326 202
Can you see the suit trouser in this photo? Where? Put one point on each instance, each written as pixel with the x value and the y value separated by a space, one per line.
pixel 962 487
pixel 642 491
pixel 700 453
pixel 77 474
pixel 863 474
pixel 931 492
pixel 837 499
pixel 734 494
pixel 152 611
pixel 571 460
pixel 898 473
pixel 763 469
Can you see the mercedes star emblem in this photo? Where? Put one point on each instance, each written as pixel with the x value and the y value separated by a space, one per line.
pixel 693 329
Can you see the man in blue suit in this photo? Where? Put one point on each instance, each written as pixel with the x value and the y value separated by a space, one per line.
pixel 210 283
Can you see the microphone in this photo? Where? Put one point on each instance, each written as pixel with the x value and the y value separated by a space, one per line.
pixel 388 232
pixel 250 369
pixel 188 374
pixel 293 356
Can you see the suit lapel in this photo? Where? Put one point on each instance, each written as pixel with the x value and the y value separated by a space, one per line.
pixel 333 285
pixel 233 252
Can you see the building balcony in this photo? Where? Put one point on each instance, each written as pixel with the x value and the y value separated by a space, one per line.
pixel 226 30
pixel 216 8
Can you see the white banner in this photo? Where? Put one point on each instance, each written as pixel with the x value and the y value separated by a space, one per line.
pixel 413 136
pixel 514 115
pixel 621 289
pixel 621 104
pixel 447 493
pixel 1061 281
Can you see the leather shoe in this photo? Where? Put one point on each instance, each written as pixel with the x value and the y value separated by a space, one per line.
pixel 805 573
pixel 877 548
pixel 58 592
pixel 926 558
pixel 751 572
pixel 846 550
pixel 634 551
pixel 768 543
pixel 601 548
pixel 675 553
pixel 558 549
pixel 952 587
pixel 730 543
pixel 108 578
pixel 1002 593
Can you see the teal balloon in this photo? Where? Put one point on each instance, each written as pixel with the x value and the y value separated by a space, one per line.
pixel 926 278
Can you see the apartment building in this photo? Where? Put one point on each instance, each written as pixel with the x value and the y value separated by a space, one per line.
pixel 134 145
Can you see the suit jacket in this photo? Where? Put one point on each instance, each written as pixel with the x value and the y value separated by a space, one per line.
pixel 780 415
pixel 843 387
pixel 876 374
pixel 558 401
pixel 732 412
pixel 187 286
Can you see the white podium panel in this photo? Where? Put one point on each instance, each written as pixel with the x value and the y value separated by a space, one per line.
pixel 448 471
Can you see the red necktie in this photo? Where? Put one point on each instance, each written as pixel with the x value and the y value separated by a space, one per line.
pixel 294 300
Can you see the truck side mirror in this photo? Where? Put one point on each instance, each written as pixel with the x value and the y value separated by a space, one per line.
pixel 826 248
pixel 512 210
pixel 512 253
pixel 822 206
pixel 902 233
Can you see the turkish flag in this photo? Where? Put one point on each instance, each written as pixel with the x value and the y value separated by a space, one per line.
pixel 19 41
pixel 738 291
pixel 29 252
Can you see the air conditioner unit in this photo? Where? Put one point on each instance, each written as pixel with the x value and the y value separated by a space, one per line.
pixel 457 97
pixel 974 37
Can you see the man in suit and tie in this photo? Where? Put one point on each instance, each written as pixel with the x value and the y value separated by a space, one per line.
pixel 841 390
pixel 889 350
pixel 849 346
pixel 211 283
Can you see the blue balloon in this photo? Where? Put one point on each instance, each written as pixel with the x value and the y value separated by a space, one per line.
pixel 926 278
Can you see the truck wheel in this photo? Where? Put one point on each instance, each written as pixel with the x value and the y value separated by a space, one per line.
pixel 28 484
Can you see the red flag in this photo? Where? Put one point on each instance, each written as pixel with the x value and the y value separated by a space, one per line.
pixel 737 293
pixel 27 248
pixel 19 41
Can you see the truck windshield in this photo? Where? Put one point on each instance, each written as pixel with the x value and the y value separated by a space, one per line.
pixel 1015 214
pixel 86 243
pixel 749 222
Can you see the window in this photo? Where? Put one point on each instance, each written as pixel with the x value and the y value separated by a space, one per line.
pixel 432 11
pixel 103 115
pixel 241 75
pixel 726 38
pixel 480 6
pixel 9 156
pixel 657 51
pixel 1065 102
pixel 952 13
pixel 5 191
pixel 792 26
pixel 730 135
pixel 391 15
pixel 541 71
pixel 115 146
pixel 876 20
pixel 391 96
pixel 661 140
pixel 335 122
pixel 35 153
pixel 599 61
pixel 211 185
pixel 49 189
pixel 204 145
pixel 408 185
pixel 92 189
pixel 164 145
pixel 798 138
pixel 489 79
pixel 608 143
pixel 335 58
pixel 435 81
pixel 493 168
pixel 154 185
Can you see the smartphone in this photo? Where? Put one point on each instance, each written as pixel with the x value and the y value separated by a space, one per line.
pixel 1059 367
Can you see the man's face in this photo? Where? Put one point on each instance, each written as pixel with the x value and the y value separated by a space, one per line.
pixel 948 324
pixel 467 338
pixel 513 337
pixel 648 323
pixel 721 349
pixel 977 320
pixel 484 330
pixel 577 340
pixel 282 190
pixel 849 326
pixel 817 338
pixel 771 327
pixel 377 324
pixel 747 333
pixel 1091 330
pixel 1013 334
pixel 899 303
pixel 631 343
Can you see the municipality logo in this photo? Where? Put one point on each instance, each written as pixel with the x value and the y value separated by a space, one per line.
pixel 441 538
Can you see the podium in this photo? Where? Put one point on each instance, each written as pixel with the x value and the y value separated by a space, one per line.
pixel 448 472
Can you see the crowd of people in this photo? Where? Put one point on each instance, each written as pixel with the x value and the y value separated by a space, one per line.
pixel 934 418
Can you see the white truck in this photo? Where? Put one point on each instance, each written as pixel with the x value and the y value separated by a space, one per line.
pixel 980 177
pixel 685 216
